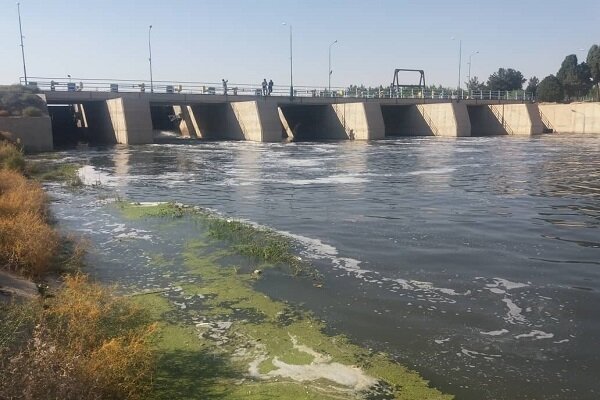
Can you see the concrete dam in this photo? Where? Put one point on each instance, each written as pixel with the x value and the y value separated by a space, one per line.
pixel 112 117
pixel 131 118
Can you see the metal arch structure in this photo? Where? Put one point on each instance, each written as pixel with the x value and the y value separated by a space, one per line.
pixel 396 84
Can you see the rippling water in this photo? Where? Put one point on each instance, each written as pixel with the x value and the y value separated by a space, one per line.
pixel 475 261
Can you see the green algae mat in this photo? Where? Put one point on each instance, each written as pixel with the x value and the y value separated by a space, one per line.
pixel 222 339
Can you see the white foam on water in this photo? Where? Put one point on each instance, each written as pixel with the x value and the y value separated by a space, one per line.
pixel 495 333
pixel 513 315
pixel 91 176
pixel 300 162
pixel 135 234
pixel 477 354
pixel 321 367
pixel 500 285
pixel 328 180
pixel 535 335
pixel 432 171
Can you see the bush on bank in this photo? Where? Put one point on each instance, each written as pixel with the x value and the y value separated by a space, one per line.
pixel 84 343
pixel 27 243
pixel 18 100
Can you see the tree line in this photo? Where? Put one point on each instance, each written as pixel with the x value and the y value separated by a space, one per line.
pixel 573 80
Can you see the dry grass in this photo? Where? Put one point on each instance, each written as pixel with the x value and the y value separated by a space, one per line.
pixel 27 242
pixel 18 195
pixel 86 344
pixel 11 157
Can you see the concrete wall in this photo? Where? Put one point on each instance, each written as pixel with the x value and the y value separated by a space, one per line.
pixel 572 118
pixel 34 133
pixel 518 119
pixel 443 119
pixel 446 119
pixel 258 120
pixel 361 121
pixel 131 120
pixel 507 119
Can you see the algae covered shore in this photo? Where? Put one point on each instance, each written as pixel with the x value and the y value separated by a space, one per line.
pixel 221 338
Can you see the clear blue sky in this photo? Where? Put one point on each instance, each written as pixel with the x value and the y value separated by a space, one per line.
pixel 244 41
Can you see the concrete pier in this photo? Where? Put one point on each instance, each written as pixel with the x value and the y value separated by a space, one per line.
pixel 131 120
pixel 505 119
pixel 258 120
pixel 187 124
pixel 441 119
pixel 360 121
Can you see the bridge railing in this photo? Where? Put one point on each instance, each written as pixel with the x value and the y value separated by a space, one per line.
pixel 243 89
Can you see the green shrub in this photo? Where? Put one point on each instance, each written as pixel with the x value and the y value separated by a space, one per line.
pixel 84 343
pixel 16 98
pixel 31 111
pixel 11 157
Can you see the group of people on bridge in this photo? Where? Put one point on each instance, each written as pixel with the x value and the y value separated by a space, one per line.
pixel 267 88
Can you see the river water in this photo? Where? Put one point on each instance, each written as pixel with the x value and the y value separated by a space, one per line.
pixel 475 261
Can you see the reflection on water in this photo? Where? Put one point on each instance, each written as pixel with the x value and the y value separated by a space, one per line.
pixel 474 260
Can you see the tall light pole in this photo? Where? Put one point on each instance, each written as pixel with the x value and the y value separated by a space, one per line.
pixel 471 55
pixel 459 60
pixel 291 62
pixel 22 47
pixel 330 70
pixel 150 59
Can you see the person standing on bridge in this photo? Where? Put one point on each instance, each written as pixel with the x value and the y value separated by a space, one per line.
pixel 264 87
pixel 225 86
pixel 270 86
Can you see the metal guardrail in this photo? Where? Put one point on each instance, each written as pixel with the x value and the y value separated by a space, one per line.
pixel 242 89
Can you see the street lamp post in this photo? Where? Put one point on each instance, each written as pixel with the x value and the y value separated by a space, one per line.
pixel 291 62
pixel 150 59
pixel 22 47
pixel 459 61
pixel 330 70
pixel 471 55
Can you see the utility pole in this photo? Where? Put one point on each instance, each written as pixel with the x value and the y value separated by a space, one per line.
pixel 150 59
pixel 459 62
pixel 471 55
pixel 22 46
pixel 330 70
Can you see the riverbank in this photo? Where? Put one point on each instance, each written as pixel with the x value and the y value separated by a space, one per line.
pixel 216 335
pixel 61 336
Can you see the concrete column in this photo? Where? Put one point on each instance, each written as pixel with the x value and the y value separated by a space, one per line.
pixel 518 119
pixel 446 119
pixel 186 123
pixel 285 124
pixel 571 118
pixel 361 121
pixel 131 120
pixel 258 120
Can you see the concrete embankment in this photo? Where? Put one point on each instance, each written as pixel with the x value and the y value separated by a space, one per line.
pixel 571 118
